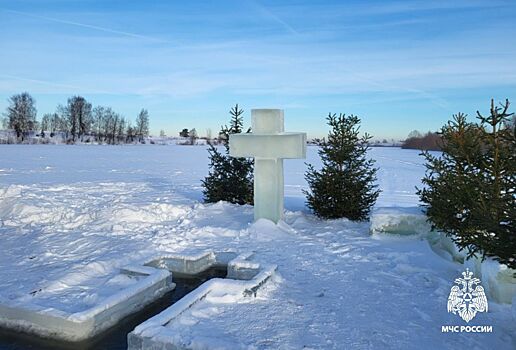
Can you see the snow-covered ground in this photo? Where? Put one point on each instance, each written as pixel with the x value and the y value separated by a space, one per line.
pixel 71 215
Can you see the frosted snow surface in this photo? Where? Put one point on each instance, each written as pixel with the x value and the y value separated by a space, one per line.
pixel 70 216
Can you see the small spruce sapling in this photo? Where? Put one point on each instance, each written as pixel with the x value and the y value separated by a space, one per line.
pixel 230 179
pixel 469 191
pixel 345 186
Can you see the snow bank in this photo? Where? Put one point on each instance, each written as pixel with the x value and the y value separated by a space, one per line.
pixel 10 192
pixel 444 246
pixel 498 280
pixel 150 213
pixel 19 206
pixel 399 221
pixel 265 230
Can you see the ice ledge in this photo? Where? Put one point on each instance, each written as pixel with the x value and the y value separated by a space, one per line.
pixel 58 324
pixel 399 221
pixel 244 279
pixel 156 280
pixel 239 266
pixel 497 279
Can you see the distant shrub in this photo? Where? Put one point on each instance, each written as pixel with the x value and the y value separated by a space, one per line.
pixel 430 142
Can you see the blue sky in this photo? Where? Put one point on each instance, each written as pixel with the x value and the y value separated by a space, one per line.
pixel 399 65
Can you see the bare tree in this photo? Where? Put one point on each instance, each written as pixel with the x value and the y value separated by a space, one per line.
pixel 45 123
pixel 414 134
pixel 78 114
pixel 99 114
pixel 120 129
pixel 142 125
pixel 111 125
pixel 192 134
pixel 129 133
pixel 57 124
pixel 108 119
pixel 21 114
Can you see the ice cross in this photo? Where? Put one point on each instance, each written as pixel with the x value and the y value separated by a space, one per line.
pixel 269 145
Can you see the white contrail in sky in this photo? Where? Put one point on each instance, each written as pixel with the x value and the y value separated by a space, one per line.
pixel 89 26
pixel 268 13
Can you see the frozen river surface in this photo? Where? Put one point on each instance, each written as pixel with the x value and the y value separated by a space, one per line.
pixel 70 216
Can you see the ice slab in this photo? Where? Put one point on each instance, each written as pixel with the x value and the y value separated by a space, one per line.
pixel 150 284
pixel 444 246
pixel 400 221
pixel 497 279
pixel 245 277
pixel 238 265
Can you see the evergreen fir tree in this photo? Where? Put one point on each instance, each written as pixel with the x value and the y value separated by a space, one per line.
pixel 345 186
pixel 230 179
pixel 470 189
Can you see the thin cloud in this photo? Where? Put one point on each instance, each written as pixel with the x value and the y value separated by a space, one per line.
pixel 403 6
pixel 432 98
pixel 49 83
pixel 89 26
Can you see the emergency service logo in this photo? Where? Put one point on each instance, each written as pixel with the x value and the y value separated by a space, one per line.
pixel 466 299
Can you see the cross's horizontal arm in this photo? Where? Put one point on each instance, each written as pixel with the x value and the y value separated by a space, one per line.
pixel 275 146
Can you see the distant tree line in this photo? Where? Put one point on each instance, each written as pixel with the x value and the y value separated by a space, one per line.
pixel 77 121
pixel 431 141
pixel 190 136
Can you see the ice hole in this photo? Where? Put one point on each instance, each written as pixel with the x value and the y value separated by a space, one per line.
pixel 116 337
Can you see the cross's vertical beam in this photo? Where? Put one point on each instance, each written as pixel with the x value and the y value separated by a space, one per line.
pixel 268 189
pixel 268 173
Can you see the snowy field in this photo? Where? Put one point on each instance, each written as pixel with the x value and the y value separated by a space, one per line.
pixel 71 215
